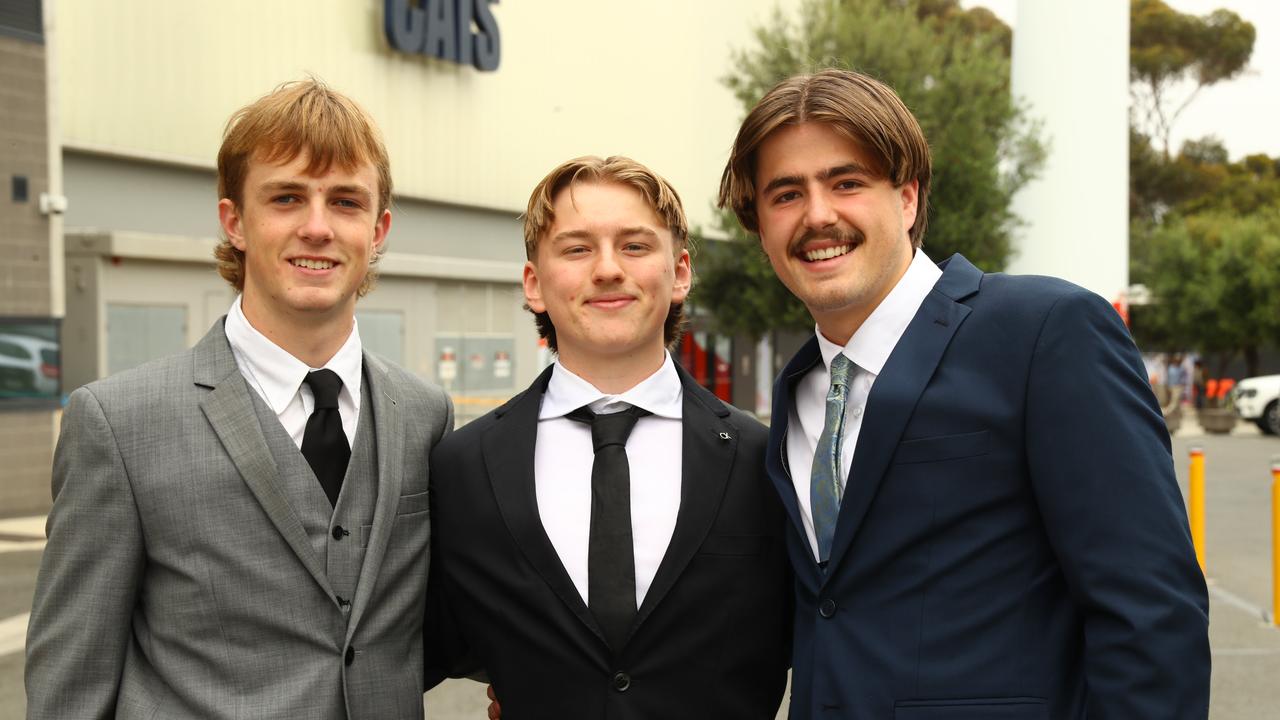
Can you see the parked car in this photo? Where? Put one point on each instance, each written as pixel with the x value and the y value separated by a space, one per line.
pixel 28 366
pixel 1258 399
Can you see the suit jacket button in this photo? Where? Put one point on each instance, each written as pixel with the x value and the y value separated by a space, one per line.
pixel 621 681
pixel 827 608
pixel 338 532
pixel 350 656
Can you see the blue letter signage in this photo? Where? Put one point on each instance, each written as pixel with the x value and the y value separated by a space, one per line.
pixel 443 29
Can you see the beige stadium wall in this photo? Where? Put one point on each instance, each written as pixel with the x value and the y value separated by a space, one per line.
pixel 433 297
pixel 156 79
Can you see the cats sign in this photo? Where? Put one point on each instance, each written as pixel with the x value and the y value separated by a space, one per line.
pixel 460 31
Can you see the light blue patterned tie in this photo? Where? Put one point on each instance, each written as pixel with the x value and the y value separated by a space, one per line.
pixel 825 487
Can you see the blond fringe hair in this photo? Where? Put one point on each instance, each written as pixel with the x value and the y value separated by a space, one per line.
pixel 540 215
pixel 303 116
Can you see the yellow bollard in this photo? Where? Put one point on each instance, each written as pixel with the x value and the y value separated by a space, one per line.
pixel 1195 500
pixel 1275 540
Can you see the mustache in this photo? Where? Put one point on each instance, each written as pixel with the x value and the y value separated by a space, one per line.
pixel 843 236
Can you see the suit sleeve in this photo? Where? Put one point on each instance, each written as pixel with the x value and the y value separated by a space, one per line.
pixel 446 653
pixel 81 617
pixel 1100 465
pixel 449 418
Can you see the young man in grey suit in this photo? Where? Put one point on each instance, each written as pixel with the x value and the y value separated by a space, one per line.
pixel 240 530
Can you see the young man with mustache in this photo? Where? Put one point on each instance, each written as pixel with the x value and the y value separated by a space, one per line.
pixel 983 516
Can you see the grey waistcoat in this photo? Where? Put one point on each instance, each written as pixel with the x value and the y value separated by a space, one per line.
pixel 352 519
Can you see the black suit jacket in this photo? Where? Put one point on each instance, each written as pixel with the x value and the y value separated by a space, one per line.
pixel 712 637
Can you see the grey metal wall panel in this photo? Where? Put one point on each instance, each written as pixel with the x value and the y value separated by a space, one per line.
pixel 138 333
pixel 115 193
pixel 382 333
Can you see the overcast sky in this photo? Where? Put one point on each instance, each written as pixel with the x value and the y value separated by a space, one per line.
pixel 1245 112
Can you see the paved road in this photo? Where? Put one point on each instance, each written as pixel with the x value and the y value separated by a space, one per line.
pixel 1246 649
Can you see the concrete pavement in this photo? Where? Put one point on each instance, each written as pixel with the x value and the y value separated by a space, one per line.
pixel 21 541
pixel 1245 643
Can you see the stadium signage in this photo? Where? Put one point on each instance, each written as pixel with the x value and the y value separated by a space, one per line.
pixel 460 31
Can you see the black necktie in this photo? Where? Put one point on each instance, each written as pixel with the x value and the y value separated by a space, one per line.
pixel 611 562
pixel 324 444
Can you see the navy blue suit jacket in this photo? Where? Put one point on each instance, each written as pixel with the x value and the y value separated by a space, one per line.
pixel 1012 541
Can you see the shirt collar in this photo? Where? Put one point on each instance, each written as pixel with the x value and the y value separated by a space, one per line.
pixel 280 374
pixel 661 394
pixel 870 346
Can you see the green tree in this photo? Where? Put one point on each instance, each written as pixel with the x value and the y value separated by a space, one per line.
pixel 1214 276
pixel 1182 247
pixel 1245 187
pixel 736 282
pixel 1173 56
pixel 1158 184
pixel 951 67
pixel 1204 231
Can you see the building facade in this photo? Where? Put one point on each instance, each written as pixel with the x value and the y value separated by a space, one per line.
pixel 477 99
pixel 30 275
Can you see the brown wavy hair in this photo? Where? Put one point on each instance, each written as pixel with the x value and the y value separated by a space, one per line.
pixel 862 108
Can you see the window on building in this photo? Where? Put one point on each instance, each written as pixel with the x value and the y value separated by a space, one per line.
pixel 30 362
pixel 23 19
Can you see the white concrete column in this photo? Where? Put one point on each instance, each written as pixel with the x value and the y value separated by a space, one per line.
pixel 1071 67
pixel 57 248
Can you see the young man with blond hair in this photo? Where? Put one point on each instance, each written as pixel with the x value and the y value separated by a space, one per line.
pixel 607 540
pixel 240 530
pixel 984 519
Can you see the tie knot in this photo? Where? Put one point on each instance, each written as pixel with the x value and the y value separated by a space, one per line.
pixel 841 366
pixel 324 385
pixel 608 428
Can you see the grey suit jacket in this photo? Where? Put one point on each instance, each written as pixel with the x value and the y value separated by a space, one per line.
pixel 178 582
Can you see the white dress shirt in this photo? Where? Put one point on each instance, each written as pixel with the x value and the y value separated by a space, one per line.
pixel 869 348
pixel 278 377
pixel 563 455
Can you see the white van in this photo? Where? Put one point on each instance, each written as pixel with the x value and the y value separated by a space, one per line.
pixel 1258 399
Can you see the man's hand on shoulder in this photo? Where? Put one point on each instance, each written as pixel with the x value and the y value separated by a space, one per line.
pixel 495 710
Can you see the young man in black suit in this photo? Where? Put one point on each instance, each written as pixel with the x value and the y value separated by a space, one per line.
pixel 607 541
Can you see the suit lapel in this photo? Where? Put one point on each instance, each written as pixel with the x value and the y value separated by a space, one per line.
pixel 709 445
pixel 776 460
pixel 895 393
pixel 388 429
pixel 229 410
pixel 508 448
